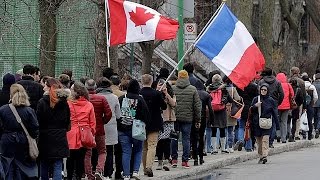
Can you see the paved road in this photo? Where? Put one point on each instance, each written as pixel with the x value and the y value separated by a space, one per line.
pixel 296 165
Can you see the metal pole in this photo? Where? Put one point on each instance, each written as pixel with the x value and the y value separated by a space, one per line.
pixel 131 58
pixel 180 34
pixel 107 32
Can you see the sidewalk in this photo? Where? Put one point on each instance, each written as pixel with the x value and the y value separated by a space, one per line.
pixel 221 160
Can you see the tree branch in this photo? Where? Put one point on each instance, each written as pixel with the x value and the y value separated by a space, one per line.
pixel 312 9
pixel 287 16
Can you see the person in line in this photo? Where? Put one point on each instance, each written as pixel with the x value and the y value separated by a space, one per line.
pixel 188 109
pixel 33 88
pixel 103 115
pixel 316 84
pixel 7 81
pixel 169 117
pixel 110 129
pixel 54 121
pixel 284 107
pixel 133 107
pixel 155 102
pixel 14 150
pixel 82 114
pixel 268 110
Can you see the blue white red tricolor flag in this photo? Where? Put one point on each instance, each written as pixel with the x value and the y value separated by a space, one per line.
pixel 229 45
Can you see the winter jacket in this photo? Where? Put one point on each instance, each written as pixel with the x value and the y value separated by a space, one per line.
pixel 194 81
pixel 235 96
pixel 247 95
pixel 302 86
pixel 140 107
pixel 53 126
pixel 316 84
pixel 156 104
pixel 14 144
pixel 275 88
pixel 188 102
pixel 33 89
pixel 110 129
pixel 82 114
pixel 287 91
pixel 309 86
pixel 102 111
pixel 4 95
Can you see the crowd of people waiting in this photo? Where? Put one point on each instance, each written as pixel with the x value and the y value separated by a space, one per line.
pixel 61 114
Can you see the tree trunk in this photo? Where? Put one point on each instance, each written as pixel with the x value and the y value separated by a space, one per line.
pixel 147 50
pixel 101 59
pixel 48 39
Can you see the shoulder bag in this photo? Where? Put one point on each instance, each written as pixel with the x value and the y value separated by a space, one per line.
pixel 86 137
pixel 138 127
pixel 33 148
pixel 264 123
pixel 236 107
pixel 293 104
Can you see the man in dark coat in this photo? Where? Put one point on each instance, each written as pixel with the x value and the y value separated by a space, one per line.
pixel 194 81
pixel 156 103
pixel 7 80
pixel 33 89
pixel 276 92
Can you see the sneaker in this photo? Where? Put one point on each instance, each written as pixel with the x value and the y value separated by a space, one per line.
pixel 291 139
pixel 214 152
pixel 201 161
pixel 98 176
pixel 278 139
pixel 174 163
pixel 249 150
pixel 135 175
pixel 297 138
pixel 238 146
pixel 126 177
pixel 231 150
pixel 107 178
pixel 271 146
pixel 149 172
pixel 159 167
pixel 224 151
pixel 260 161
pixel 317 134
pixel 264 160
pixel 165 165
pixel 185 165
pixel 284 142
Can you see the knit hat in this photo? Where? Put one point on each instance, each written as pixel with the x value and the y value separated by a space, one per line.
pixel 9 79
pixel 183 74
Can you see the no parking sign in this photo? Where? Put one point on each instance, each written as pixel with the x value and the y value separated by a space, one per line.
pixel 190 32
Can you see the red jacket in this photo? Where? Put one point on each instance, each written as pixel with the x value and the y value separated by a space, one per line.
pixel 102 111
pixel 81 113
pixel 287 91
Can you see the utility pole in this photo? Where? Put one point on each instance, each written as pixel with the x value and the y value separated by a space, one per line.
pixel 180 34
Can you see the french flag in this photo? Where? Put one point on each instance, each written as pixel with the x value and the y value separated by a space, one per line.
pixel 229 45
pixel 132 22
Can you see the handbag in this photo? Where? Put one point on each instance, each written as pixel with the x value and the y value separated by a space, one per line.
pixel 33 148
pixel 86 137
pixel 247 130
pixel 292 99
pixel 264 123
pixel 236 107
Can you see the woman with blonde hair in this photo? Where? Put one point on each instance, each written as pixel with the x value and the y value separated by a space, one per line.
pixel 54 122
pixel 14 147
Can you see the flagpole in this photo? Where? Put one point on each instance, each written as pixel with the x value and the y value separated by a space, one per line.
pixel 107 32
pixel 192 45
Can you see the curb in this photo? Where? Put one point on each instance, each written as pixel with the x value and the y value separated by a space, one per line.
pixel 235 160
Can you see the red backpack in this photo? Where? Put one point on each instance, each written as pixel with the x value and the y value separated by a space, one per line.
pixel 216 103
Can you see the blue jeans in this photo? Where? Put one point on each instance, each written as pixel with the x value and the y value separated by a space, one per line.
pixel 317 118
pixel 242 125
pixel 208 139
pixel 230 135
pixel 56 164
pixel 185 129
pixel 130 145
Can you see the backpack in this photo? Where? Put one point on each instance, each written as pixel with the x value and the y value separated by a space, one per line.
pixel 309 96
pixel 217 103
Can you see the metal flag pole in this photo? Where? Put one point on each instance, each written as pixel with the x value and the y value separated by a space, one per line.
pixel 107 31
pixel 192 45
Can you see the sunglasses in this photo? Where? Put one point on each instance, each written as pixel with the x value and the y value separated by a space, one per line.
pixel 264 90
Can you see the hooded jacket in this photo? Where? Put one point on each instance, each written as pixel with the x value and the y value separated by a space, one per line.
pixel 53 126
pixel 309 86
pixel 188 102
pixel 316 84
pixel 287 92
pixel 33 89
pixel 275 88
pixel 8 80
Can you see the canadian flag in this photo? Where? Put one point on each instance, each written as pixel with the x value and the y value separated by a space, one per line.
pixel 131 22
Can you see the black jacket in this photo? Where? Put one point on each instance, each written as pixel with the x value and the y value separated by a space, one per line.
pixel 53 125
pixel 4 95
pixel 155 103
pixel 275 88
pixel 247 94
pixel 33 89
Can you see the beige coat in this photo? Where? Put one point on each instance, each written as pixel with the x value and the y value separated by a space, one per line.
pixel 169 113
pixel 234 94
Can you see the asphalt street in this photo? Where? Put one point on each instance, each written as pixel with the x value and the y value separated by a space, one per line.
pixel 303 164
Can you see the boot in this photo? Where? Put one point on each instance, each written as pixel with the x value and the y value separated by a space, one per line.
pixel 201 161
pixel 159 165
pixel 223 145
pixel 214 145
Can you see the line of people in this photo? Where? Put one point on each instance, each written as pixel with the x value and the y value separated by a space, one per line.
pixel 58 112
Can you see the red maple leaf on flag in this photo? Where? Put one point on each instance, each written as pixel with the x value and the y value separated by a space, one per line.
pixel 140 17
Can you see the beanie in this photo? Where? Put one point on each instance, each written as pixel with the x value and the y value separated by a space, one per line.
pixel 183 74
pixel 9 79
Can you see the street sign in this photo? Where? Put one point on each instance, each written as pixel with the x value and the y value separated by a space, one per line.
pixel 190 32
pixel 172 8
